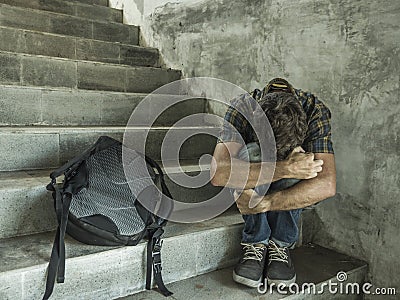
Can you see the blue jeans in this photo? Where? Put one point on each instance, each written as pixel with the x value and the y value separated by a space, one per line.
pixel 279 226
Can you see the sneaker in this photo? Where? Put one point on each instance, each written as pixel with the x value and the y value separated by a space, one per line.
pixel 280 269
pixel 250 268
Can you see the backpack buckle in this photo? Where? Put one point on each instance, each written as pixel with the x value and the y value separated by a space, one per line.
pixel 157 267
pixel 157 247
pixel 156 255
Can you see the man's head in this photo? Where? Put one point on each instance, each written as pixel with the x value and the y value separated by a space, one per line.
pixel 288 121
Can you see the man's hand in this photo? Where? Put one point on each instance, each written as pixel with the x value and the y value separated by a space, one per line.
pixel 301 165
pixel 249 202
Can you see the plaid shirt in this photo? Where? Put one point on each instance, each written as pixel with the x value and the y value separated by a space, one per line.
pixel 318 138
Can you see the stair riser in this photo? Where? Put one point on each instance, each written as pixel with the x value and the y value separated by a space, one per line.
pixel 93 12
pixel 29 42
pixel 27 106
pixel 120 272
pixel 27 207
pixel 41 150
pixel 42 21
pixel 42 71
pixel 25 211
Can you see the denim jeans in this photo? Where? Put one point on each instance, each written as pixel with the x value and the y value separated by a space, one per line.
pixel 279 226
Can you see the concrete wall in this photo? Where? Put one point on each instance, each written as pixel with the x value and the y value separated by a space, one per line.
pixel 347 53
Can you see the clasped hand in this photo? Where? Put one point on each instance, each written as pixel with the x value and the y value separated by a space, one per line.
pixel 298 164
pixel 249 202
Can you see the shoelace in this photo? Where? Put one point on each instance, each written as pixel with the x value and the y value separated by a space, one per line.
pixel 253 252
pixel 276 253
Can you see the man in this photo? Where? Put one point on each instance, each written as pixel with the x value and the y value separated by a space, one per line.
pixel 271 226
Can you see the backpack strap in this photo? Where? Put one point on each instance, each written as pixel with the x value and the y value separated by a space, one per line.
pixel 57 259
pixel 154 240
pixel 154 261
pixel 156 166
pixel 164 187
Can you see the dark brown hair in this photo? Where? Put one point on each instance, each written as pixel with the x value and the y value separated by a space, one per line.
pixel 288 121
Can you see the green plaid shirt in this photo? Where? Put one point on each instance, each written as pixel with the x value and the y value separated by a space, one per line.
pixel 318 139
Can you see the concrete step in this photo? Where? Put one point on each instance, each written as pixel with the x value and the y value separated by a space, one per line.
pixel 94 272
pixel 26 207
pixel 93 12
pixel 31 70
pixel 25 148
pixel 21 106
pixel 64 46
pixel 45 21
pixel 314 265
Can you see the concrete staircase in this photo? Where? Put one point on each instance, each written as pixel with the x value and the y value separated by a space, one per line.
pixel 70 71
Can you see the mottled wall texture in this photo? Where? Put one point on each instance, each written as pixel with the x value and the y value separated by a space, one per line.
pixel 344 51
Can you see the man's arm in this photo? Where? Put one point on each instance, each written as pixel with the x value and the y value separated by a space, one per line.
pixel 227 170
pixel 303 194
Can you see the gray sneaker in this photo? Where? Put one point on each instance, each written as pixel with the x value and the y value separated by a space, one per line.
pixel 280 269
pixel 249 270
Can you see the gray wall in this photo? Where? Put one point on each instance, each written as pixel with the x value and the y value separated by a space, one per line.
pixel 347 53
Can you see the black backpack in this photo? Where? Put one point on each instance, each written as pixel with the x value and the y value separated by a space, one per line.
pixel 95 205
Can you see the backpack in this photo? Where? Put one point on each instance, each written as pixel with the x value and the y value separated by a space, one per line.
pixel 95 205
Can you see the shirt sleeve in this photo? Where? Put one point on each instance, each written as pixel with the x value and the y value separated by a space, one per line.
pixel 235 125
pixel 318 138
